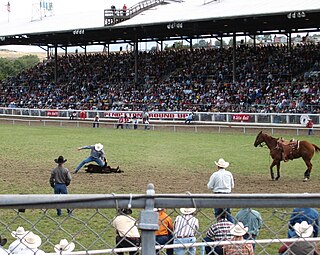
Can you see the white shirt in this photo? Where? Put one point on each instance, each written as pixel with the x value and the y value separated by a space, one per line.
pixel 221 181
pixel 16 246
pixel 3 251
pixel 126 226
pixel 28 251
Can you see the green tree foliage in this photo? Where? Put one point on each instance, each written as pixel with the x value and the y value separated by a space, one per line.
pixel 12 67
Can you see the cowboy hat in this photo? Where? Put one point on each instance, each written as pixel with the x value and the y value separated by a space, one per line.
pixel 221 163
pixel 303 229
pixel 98 146
pixel 60 160
pixel 125 211
pixel 64 245
pixel 238 229
pixel 187 210
pixel 31 240
pixel 3 241
pixel 19 233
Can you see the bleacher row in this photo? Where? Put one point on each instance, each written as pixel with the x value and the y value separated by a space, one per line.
pixel 269 78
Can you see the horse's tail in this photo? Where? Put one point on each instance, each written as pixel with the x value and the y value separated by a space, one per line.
pixel 317 149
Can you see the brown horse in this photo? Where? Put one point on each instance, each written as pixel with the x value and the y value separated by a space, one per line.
pixel 304 149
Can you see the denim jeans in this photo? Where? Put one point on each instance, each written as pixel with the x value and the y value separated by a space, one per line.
pixel 90 159
pixel 212 250
pixel 61 189
pixel 183 251
pixel 165 240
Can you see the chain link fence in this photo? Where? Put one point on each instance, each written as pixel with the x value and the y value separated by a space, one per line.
pixel 90 222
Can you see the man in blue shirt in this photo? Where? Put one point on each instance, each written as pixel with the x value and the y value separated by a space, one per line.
pixel 310 215
pixel 97 155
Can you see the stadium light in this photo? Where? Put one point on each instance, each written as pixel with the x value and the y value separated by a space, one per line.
pixel 293 15
pixel 174 25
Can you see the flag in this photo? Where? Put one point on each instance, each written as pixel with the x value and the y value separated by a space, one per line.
pixel 8 7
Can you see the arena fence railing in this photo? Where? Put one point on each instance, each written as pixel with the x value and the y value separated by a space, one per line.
pixel 90 226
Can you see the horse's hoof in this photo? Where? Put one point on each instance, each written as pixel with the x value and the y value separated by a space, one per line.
pixel 305 179
pixel 277 178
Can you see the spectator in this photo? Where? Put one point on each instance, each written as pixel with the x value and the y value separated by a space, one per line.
pixel 32 242
pixel 164 234
pixel 124 10
pixel 3 251
pixel 185 228
pixel 64 247
pixel 96 155
pixel 310 215
pixel 59 180
pixel 219 231
pixel 252 220
pixel 126 230
pixel 238 231
pixel 16 246
pixel 221 182
pixel 310 126
pixel 113 9
pixel 189 118
pixel 73 115
pixel 127 121
pixel 96 121
pixel 135 122
pixel 121 120
pixel 303 230
pixel 145 116
pixel 146 125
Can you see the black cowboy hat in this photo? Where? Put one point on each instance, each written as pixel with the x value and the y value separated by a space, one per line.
pixel 3 241
pixel 60 160
pixel 125 211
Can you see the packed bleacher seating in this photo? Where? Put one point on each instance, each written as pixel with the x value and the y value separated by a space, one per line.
pixel 268 79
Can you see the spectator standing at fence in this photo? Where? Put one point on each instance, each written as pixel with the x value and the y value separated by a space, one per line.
pixel 96 155
pixel 16 246
pixel 164 233
pixel 238 231
pixel 219 231
pixel 124 10
pixel 121 120
pixel 251 219
pixel 310 215
pixel 127 234
pixel 303 230
pixel 96 121
pixel 189 118
pixel 135 122
pixel 309 125
pixel 3 241
pixel 64 246
pixel 185 228
pixel 145 116
pixel 222 182
pixel 146 125
pixel 60 178
pixel 31 244
pixel 127 121
pixel 113 9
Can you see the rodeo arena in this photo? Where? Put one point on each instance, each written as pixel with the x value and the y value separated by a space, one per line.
pixel 221 67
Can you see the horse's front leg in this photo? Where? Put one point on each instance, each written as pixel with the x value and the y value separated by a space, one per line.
pixel 271 169
pixel 278 170
pixel 308 171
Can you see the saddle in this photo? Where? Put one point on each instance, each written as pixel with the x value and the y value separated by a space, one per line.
pixel 288 148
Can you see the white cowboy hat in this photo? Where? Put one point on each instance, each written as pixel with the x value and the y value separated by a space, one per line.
pixel 303 229
pixel 221 163
pixel 98 146
pixel 238 229
pixel 187 210
pixel 64 245
pixel 19 233
pixel 31 240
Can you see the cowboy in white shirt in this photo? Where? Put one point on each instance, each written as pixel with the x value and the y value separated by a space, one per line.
pixel 64 247
pixel 31 244
pixel 16 246
pixel 3 251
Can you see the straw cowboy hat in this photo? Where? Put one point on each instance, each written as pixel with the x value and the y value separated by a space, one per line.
pixel 31 240
pixel 238 229
pixel 60 160
pixel 221 163
pixel 303 229
pixel 19 233
pixel 3 241
pixel 187 210
pixel 64 245
pixel 98 146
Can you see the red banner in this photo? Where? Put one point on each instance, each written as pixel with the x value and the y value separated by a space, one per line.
pixel 240 117
pixel 52 113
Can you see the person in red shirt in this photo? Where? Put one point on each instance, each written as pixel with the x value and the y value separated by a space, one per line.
pixel 310 126
pixel 124 10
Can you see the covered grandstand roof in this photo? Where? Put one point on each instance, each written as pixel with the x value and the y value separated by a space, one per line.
pixel 84 25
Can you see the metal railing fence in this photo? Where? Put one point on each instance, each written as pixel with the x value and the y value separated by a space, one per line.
pixel 90 224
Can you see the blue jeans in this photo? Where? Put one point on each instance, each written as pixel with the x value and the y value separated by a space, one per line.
pixel 229 217
pixel 165 240
pixel 181 251
pixel 61 189
pixel 209 250
pixel 90 159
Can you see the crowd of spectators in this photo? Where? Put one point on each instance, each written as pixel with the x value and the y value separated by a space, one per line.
pixel 268 78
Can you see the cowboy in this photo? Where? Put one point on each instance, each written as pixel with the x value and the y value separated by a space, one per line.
pixel 310 126
pixel 97 155
pixel 3 241
pixel 221 182
pixel 16 246
pixel 64 246
pixel 60 178
pixel 238 231
pixel 164 234
pixel 31 244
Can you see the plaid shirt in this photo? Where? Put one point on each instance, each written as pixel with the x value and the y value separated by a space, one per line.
pixel 220 231
pixel 238 249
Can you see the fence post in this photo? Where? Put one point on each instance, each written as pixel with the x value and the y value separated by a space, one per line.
pixel 148 224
